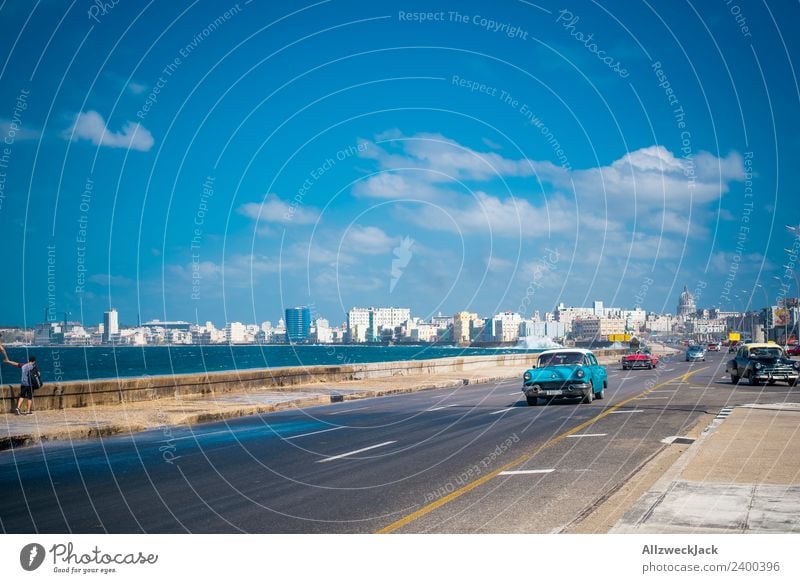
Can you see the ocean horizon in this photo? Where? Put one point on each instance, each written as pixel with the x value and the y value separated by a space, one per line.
pixel 76 363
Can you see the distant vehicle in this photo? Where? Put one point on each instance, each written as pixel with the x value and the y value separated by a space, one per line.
pixel 695 353
pixel 565 373
pixel 759 362
pixel 793 350
pixel 639 359
pixel 712 347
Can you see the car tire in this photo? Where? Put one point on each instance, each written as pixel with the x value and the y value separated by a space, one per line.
pixel 650 366
pixel 601 394
pixel 734 379
pixel 532 401
pixel 590 395
pixel 753 381
pixel 771 383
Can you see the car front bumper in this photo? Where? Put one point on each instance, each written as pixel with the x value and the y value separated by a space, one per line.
pixel 568 390
pixel 766 376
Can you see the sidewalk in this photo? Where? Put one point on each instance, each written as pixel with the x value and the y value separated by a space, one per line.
pixel 741 475
pixel 97 421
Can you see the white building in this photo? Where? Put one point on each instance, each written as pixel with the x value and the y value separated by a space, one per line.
pixel 663 323
pixel 235 333
pixel 425 333
pixel 505 327
pixel 110 326
pixel 366 324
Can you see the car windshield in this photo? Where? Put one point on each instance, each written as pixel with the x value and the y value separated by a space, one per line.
pixel 695 348
pixel 766 352
pixel 560 359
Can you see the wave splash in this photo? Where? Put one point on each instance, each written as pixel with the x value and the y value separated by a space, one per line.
pixel 537 342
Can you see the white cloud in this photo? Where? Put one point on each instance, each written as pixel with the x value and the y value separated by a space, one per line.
pixel 237 271
pixel 91 126
pixel 108 280
pixel 16 132
pixel 137 88
pixel 653 177
pixel 275 210
pixel 367 240
pixel 445 159
pixel 498 264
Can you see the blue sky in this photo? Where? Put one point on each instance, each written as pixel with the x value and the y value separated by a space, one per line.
pixel 217 161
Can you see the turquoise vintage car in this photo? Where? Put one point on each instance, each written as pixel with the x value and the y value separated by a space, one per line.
pixel 565 373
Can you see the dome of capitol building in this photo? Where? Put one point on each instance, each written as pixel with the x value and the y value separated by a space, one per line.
pixel 686 303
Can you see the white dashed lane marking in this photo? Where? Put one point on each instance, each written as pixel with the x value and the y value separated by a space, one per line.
pixel 631 411
pixel 349 453
pixel 525 472
pixel 588 435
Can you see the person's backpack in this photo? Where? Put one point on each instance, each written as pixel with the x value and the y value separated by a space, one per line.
pixel 35 378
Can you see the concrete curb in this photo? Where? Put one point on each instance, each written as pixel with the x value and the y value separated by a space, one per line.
pixel 643 507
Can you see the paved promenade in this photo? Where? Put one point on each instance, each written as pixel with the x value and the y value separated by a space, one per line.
pixel 741 476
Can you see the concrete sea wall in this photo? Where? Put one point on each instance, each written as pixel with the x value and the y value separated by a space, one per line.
pixel 127 390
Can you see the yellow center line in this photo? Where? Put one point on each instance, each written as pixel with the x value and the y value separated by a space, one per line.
pixel 398 524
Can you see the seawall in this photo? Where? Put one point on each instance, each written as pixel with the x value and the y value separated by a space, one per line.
pixel 128 390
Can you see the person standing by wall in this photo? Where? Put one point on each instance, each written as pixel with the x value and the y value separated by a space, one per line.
pixel 30 379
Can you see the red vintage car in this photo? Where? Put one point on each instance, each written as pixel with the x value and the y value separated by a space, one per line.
pixel 639 360
pixel 793 350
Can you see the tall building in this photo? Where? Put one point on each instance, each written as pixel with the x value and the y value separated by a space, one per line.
pixel 464 325
pixel 298 324
pixel 686 305
pixel 110 326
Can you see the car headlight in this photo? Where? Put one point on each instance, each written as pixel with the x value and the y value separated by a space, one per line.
pixel 580 374
pixel 796 364
pixel 757 365
pixel 526 376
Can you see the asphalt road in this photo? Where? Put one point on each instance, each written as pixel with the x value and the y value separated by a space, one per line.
pixel 474 459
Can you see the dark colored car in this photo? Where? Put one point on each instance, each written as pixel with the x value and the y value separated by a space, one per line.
pixel 763 363
pixel 565 373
